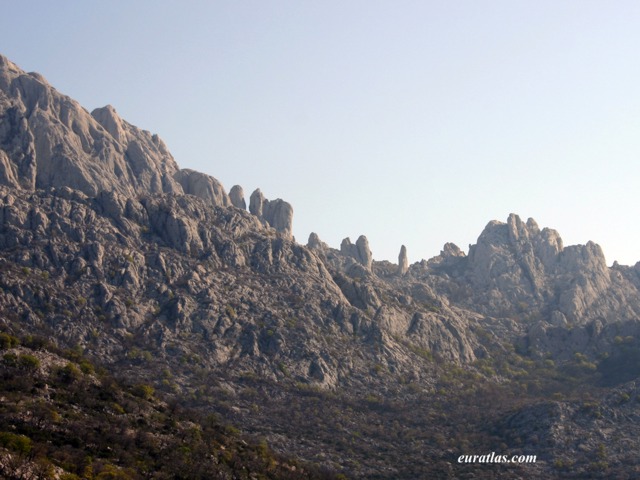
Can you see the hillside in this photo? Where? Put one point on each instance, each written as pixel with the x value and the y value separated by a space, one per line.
pixel 62 418
pixel 373 370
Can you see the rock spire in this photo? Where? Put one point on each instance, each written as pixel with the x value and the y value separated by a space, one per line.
pixel 276 213
pixel 403 262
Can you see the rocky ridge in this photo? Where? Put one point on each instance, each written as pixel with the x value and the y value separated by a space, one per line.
pixel 108 246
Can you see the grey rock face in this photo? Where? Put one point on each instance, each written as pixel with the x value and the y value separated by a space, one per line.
pixel 347 248
pixel 202 186
pixel 256 203
pixel 236 196
pixel 586 264
pixel 279 214
pixel 315 243
pixel 359 252
pixel 112 123
pixel 451 250
pixel 129 252
pixel 505 260
pixel 49 140
pixel 403 262
pixel 276 213
pixel 364 252
pixel 518 264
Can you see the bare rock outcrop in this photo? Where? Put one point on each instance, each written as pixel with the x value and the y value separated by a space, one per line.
pixel 276 213
pixel 583 278
pixel 202 186
pixel 505 262
pixel 403 262
pixel 315 243
pixel 451 250
pixel 360 251
pixel 516 267
pixel 48 140
pixel 256 203
pixel 236 196
pixel 112 123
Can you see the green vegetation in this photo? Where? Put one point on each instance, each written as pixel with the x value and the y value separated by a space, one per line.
pixel 28 362
pixel 8 341
pixel 143 391
pixel 89 426
pixel 20 444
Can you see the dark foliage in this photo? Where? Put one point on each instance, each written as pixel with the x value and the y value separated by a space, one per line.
pixel 55 416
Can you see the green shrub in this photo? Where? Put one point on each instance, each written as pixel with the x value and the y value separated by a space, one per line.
pixel 28 362
pixel 8 341
pixel 70 373
pixel 70 476
pixel 10 359
pixel 111 472
pixel 143 390
pixel 86 367
pixel 17 443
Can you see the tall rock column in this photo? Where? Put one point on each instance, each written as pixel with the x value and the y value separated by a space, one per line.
pixel 403 262
pixel 364 252
pixel 236 195
pixel 276 213
pixel 256 202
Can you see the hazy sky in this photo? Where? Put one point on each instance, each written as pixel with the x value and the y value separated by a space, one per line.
pixel 412 122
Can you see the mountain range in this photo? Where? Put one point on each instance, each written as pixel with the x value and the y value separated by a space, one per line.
pixel 365 368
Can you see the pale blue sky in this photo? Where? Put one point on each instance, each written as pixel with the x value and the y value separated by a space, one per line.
pixel 412 122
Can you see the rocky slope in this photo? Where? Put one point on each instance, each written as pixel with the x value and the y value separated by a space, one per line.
pixel 155 272
pixel 62 418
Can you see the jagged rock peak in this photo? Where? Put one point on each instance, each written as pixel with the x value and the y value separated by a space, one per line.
pixel 364 252
pixel 501 247
pixel 6 68
pixel 112 123
pixel 451 250
pixel 403 262
pixel 517 263
pixel 315 243
pixel 256 202
pixel 360 251
pixel 236 195
pixel 532 225
pixel 276 213
pixel 346 247
pixel 48 140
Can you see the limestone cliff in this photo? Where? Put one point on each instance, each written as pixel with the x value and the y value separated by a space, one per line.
pixel 48 140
